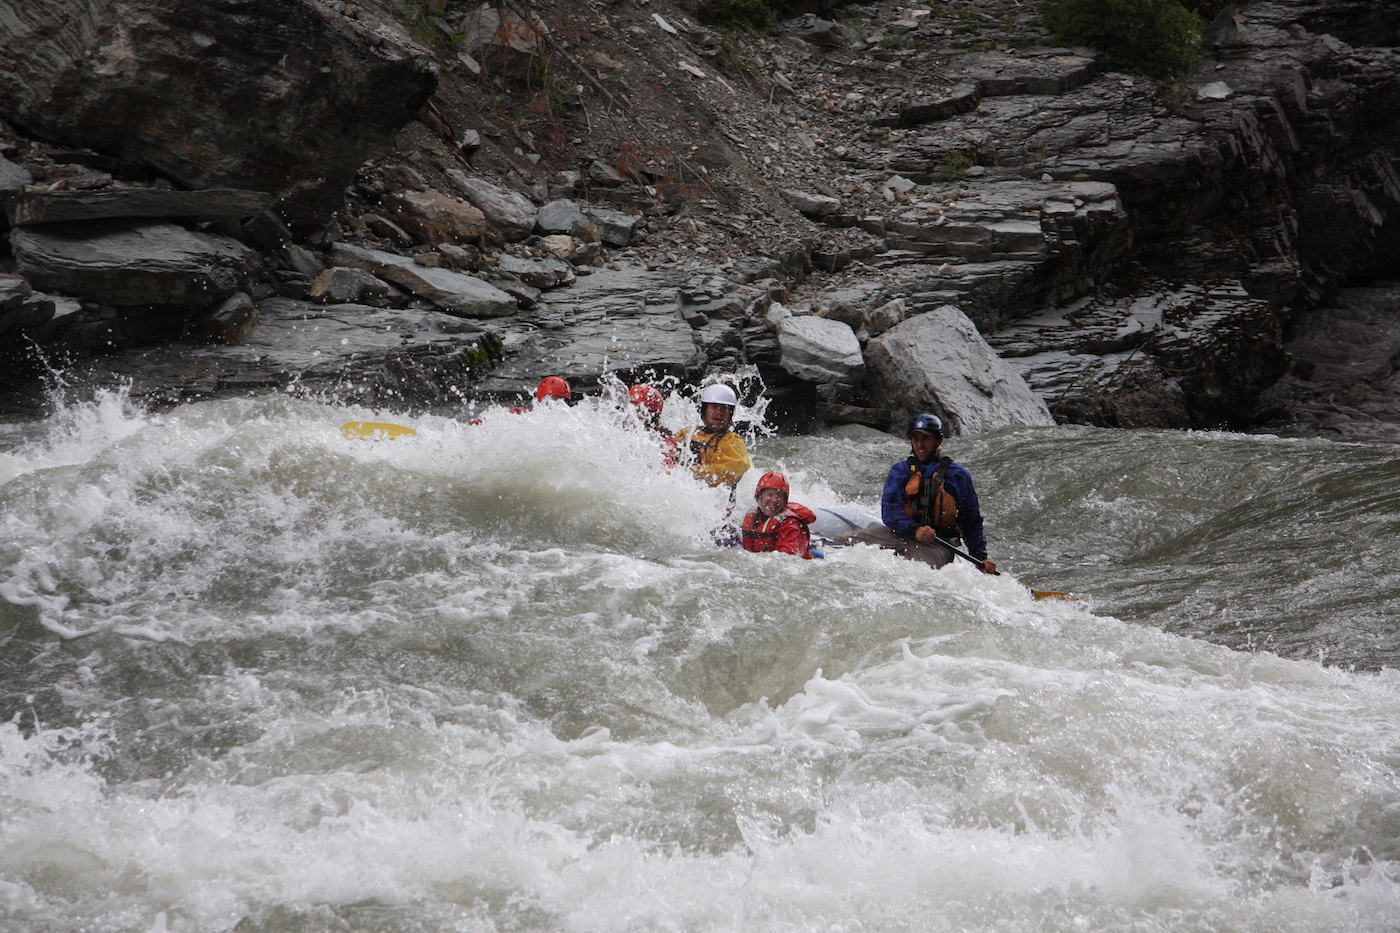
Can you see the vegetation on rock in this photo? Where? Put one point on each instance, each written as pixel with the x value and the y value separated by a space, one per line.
pixel 756 13
pixel 1156 38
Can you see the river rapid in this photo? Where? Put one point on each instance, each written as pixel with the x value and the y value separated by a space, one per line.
pixel 497 677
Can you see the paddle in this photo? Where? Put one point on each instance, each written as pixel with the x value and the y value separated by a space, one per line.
pixel 375 430
pixel 1038 594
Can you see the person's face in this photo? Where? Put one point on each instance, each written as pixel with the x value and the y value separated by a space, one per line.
pixel 715 416
pixel 771 502
pixel 925 445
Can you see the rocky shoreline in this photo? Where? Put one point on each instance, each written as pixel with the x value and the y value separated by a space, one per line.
pixel 909 208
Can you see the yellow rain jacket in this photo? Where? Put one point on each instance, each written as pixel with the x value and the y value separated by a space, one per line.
pixel 718 459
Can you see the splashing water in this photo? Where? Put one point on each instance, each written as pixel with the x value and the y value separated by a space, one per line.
pixel 498 677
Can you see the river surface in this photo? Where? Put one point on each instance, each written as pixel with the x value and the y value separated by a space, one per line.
pixel 260 677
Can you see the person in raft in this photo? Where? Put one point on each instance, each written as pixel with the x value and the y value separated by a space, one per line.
pixel 647 404
pixel 928 497
pixel 777 524
pixel 714 452
pixel 550 387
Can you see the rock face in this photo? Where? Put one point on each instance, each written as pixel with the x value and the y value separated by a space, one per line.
pixel 125 262
pixel 452 291
pixel 1344 382
pixel 1138 254
pixel 938 362
pixel 618 322
pixel 38 207
pixel 352 352
pixel 1171 359
pixel 281 96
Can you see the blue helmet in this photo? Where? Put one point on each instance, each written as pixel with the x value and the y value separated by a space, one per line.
pixel 929 424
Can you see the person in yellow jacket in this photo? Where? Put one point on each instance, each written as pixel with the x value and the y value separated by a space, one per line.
pixel 714 453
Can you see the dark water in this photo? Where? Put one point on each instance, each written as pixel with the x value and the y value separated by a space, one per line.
pixel 260 677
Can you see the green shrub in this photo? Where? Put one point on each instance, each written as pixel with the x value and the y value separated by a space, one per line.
pixel 756 13
pixel 1156 38
pixel 954 165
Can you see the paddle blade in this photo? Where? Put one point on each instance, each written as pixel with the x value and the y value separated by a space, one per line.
pixel 375 430
pixel 1053 594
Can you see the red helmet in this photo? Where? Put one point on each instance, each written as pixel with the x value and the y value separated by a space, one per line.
pixel 646 397
pixel 771 481
pixel 553 387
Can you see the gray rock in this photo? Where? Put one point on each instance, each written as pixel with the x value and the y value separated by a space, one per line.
pixel 623 322
pixel 127 262
pixel 820 350
pixel 506 211
pixel 888 315
pixel 537 273
pixel 13 291
pixel 559 216
pixel 938 362
pixel 455 292
pixel 263 102
pixel 1174 358
pixel 999 249
pixel 615 227
pixel 433 217
pixel 339 285
pixel 1343 382
pixel 851 415
pixel 232 321
pixel 42 207
pixel 13 178
pixel 813 205
pixel 303 260
pixel 350 353
pixel 961 99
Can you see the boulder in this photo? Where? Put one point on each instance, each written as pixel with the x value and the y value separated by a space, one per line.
pixel 233 321
pixel 284 96
pixel 560 216
pixel 454 292
pixel 432 217
pixel 509 213
pixel 501 40
pixel 938 362
pixel 568 216
pixel 13 178
pixel 339 285
pixel 537 273
pixel 820 350
pixel 130 262
pixel 614 227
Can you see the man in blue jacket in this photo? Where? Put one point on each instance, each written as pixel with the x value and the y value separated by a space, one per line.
pixel 927 497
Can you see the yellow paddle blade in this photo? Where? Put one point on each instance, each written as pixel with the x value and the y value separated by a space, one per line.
pixel 1053 594
pixel 375 430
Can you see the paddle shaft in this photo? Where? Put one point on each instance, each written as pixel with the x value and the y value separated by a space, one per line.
pixel 963 554
pixel 1038 594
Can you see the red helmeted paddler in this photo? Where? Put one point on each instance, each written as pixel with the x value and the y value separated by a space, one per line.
pixel 777 524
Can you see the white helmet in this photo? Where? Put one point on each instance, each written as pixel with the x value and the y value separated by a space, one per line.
pixel 718 394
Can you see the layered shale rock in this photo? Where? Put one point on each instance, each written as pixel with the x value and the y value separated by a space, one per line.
pixel 282 96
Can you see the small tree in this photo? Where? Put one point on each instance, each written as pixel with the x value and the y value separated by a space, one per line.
pixel 1156 38
pixel 756 13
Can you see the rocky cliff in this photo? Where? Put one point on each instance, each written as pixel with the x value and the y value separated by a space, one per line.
pixel 868 210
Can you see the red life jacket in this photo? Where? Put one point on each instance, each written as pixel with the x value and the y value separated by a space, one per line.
pixel 760 533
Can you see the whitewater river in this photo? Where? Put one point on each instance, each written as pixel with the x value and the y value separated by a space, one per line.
pixel 258 677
